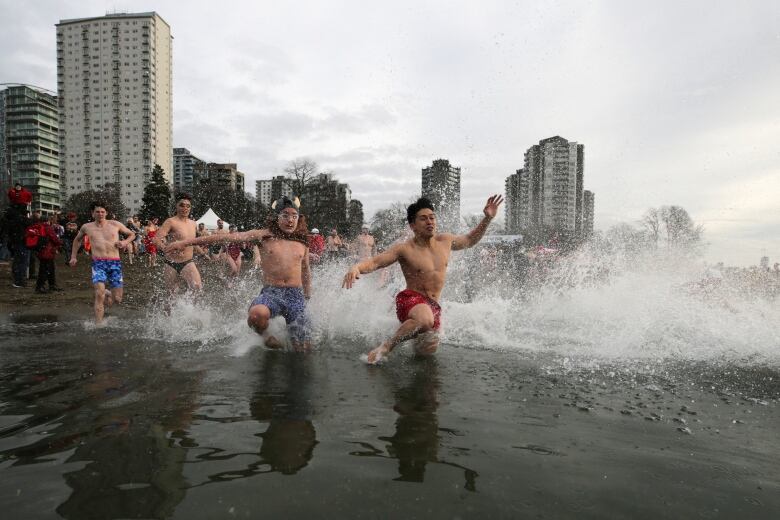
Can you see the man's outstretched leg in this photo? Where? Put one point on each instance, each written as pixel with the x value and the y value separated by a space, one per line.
pixel 420 320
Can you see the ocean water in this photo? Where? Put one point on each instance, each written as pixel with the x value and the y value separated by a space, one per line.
pixel 595 387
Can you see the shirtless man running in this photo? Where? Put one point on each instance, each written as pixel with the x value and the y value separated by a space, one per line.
pixel 179 263
pixel 423 259
pixel 106 266
pixel 284 258
pixel 366 247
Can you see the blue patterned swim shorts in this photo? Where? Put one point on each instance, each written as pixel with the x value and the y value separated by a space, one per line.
pixel 107 271
pixel 290 303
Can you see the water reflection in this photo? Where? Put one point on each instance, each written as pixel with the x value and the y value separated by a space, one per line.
pixel 107 415
pixel 416 441
pixel 284 399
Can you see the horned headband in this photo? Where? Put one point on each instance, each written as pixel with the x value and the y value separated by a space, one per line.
pixel 284 202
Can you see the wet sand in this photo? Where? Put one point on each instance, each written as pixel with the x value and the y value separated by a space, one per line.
pixel 116 423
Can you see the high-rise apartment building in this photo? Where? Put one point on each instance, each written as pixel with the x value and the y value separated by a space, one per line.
pixel 588 204
pixel 224 175
pixel 185 168
pixel 280 187
pixel 326 202
pixel 547 193
pixel 114 84
pixel 29 144
pixel 441 184
pixel 263 192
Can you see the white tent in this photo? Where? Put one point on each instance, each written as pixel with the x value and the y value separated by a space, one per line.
pixel 210 219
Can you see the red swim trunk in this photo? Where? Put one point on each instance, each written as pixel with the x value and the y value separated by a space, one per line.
pixel 406 299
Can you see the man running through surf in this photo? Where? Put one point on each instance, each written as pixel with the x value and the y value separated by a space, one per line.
pixel 105 244
pixel 423 259
pixel 284 259
pixel 179 264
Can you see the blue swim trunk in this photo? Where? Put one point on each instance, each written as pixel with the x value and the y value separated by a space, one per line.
pixel 290 303
pixel 107 271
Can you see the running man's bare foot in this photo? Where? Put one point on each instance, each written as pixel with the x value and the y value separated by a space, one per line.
pixel 108 300
pixel 378 355
pixel 272 342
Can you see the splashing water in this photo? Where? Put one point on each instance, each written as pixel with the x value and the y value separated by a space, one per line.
pixel 585 307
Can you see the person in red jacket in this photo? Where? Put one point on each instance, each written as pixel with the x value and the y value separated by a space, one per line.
pixel 19 195
pixel 46 255
pixel 316 246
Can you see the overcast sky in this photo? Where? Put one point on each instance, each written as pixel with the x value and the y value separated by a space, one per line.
pixel 675 102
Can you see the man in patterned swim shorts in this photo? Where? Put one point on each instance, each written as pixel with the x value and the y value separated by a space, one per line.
pixel 106 266
pixel 423 259
pixel 284 259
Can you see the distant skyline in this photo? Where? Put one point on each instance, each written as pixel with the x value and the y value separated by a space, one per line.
pixel 676 103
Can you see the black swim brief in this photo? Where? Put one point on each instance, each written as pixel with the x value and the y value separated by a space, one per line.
pixel 178 266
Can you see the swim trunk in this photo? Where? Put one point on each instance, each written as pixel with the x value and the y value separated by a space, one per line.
pixel 407 299
pixel 234 250
pixel 290 303
pixel 178 266
pixel 107 271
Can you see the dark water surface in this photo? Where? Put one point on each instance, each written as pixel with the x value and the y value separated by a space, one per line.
pixel 100 424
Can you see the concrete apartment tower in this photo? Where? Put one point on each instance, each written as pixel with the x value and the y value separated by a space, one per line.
pixel 441 184
pixel 115 89
pixel 263 192
pixel 29 144
pixel 185 170
pixel 547 193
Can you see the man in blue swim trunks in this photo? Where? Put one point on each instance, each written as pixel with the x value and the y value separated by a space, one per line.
pixel 284 259
pixel 106 266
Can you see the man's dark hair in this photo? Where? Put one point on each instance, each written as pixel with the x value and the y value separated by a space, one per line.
pixel 422 203
pixel 184 196
pixel 97 204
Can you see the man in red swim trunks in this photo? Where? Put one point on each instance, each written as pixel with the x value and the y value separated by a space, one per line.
pixel 423 259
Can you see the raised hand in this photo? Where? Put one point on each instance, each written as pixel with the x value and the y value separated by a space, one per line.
pixel 491 208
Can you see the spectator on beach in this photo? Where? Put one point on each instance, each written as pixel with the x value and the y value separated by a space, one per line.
pixel 316 246
pixel 201 231
pixel 31 269
pixel 71 229
pixel 150 232
pixel 365 246
pixel 233 254
pixel 15 225
pixel 19 195
pixel 131 250
pixel 49 244
pixel 216 251
pixel 333 245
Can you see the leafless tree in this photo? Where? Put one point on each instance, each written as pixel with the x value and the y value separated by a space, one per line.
pixel 300 172
pixel 652 222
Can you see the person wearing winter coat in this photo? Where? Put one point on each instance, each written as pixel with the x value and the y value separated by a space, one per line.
pixel 47 253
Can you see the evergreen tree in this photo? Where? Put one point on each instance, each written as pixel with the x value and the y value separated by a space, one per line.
pixel 79 203
pixel 157 197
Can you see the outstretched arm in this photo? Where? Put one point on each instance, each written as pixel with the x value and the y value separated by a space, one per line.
pixel 254 235
pixel 370 265
pixel 476 234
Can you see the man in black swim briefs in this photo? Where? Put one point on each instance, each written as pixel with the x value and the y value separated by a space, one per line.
pixel 179 264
